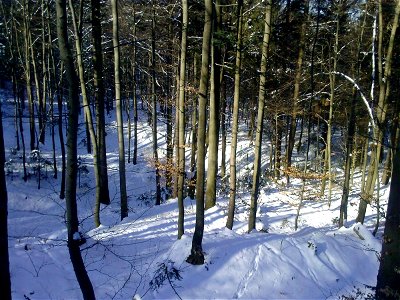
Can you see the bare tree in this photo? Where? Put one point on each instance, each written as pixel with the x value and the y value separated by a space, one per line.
pixel 260 118
pixel 74 239
pixel 197 256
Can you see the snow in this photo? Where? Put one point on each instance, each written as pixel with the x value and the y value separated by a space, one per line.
pixel 141 258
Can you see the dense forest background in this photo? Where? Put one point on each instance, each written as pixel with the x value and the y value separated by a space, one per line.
pixel 316 83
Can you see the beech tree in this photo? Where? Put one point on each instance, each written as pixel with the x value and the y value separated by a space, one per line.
pixel 196 256
pixel 118 105
pixel 74 237
pixel 260 118
pixel 5 283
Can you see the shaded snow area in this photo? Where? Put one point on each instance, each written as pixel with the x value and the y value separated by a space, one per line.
pixel 141 257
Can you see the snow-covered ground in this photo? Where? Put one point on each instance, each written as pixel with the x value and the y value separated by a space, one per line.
pixel 141 255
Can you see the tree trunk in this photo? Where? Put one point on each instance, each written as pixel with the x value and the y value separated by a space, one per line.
pixel 388 275
pixel 73 109
pixel 236 98
pixel 193 151
pixel 5 282
pixel 215 96
pixel 98 85
pixel 88 113
pixel 260 118
pixel 197 256
pixel 118 106
pixel 296 92
pixel 28 75
pixel 181 122
pixel 154 104
pixel 384 72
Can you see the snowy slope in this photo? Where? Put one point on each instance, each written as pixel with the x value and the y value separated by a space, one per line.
pixel 133 257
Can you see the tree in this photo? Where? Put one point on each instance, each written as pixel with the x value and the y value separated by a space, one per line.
pixel 384 72
pixel 88 112
pixel 296 92
pixel 260 118
pixel 388 275
pixel 215 95
pixel 118 107
pixel 236 98
pixel 74 239
pixel 5 282
pixel 154 103
pixel 98 86
pixel 196 256
pixel 181 121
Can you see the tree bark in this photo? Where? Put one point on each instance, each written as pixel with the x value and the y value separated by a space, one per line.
pixel 197 256
pixel 5 282
pixel 388 275
pixel 98 85
pixel 181 122
pixel 118 106
pixel 154 104
pixel 260 118
pixel 72 166
pixel 236 98
pixel 384 72
pixel 214 111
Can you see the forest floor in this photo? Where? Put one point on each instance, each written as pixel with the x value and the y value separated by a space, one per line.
pixel 141 255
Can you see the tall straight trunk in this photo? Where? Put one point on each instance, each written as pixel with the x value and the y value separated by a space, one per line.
pixel 61 133
pixel 215 95
pixel 181 122
pixel 135 107
pixel 260 118
pixel 235 125
pixel 332 81
pixel 223 130
pixel 45 74
pixel 296 92
pixel 118 106
pixel 154 103
pixel 193 149
pixel 384 72
pixel 176 134
pixel 169 101
pixel 5 282
pixel 88 113
pixel 98 85
pixel 72 163
pixel 351 127
pixel 197 256
pixel 37 85
pixel 32 130
pixel 388 275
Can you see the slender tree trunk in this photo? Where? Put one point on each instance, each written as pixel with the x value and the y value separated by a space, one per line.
pixel 296 92
pixel 260 119
pixel 154 104
pixel 213 126
pixel 235 125
pixel 197 256
pixel 98 85
pixel 384 72
pixel 388 275
pixel 192 183
pixel 61 133
pixel 351 127
pixel 73 109
pixel 181 122
pixel 28 75
pixel 332 81
pixel 88 113
pixel 118 105
pixel 5 282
